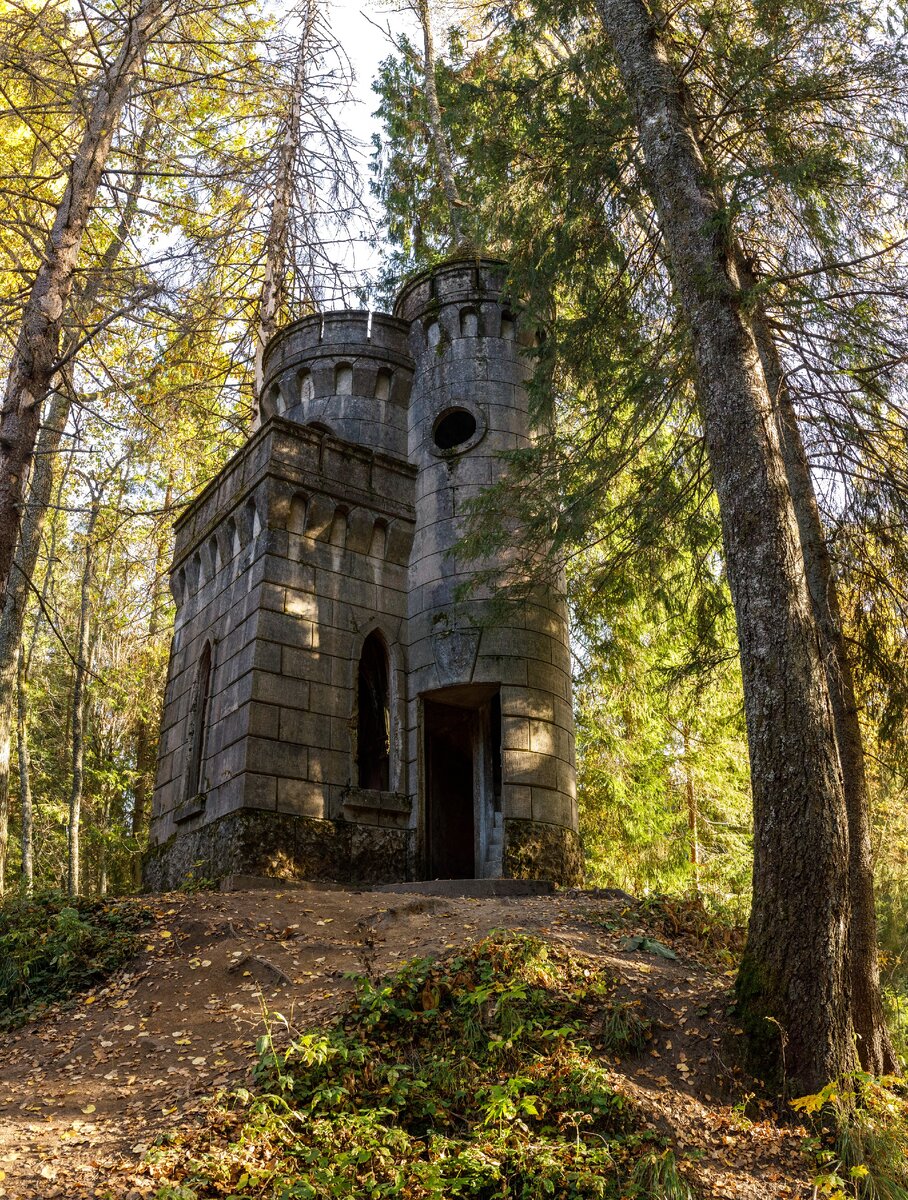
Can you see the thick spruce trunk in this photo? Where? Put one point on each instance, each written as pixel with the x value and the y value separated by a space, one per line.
pixel 792 985
pixel 874 1045
pixel 35 356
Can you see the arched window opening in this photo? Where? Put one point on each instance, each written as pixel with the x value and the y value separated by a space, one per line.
pixel 198 723
pixel 373 740
pixel 383 384
pixel 343 380
pixel 270 402
pixel 508 326
pixel 231 539
pixel 252 525
pixel 318 427
pixel 214 556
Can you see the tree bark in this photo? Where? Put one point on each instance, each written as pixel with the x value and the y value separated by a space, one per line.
pixel 16 599
pixel 78 710
pixel 792 985
pixel 693 812
pixel 874 1045
pixel 35 357
pixel 39 489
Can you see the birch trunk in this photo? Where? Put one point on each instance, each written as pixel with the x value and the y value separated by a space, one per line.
pixel 874 1045
pixel 436 129
pixel 25 787
pixel 693 812
pixel 78 710
pixel 35 357
pixel 793 984
pixel 148 724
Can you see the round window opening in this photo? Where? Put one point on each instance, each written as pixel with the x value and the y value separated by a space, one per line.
pixel 453 429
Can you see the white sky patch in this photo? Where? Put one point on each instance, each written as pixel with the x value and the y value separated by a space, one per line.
pixel 358 28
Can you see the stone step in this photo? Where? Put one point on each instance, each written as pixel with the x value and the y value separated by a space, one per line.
pixel 478 888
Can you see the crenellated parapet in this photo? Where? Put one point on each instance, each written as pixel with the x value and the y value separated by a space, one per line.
pixel 346 372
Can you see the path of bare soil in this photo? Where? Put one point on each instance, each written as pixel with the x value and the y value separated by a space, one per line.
pixel 85 1091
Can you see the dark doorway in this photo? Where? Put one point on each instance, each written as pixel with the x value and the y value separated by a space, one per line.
pixel 373 733
pixel 451 734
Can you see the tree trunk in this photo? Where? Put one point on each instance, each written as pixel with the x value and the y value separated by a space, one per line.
pixel 149 720
pixel 35 356
pixel 693 812
pixel 39 489
pixel 874 1045
pixel 78 710
pixel 436 129
pixel 25 789
pixel 16 599
pixel 792 985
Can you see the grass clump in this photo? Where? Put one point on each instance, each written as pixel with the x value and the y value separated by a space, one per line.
pixel 859 1142
pixel 478 1075
pixel 54 946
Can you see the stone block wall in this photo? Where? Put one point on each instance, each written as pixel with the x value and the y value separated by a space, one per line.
pixel 283 569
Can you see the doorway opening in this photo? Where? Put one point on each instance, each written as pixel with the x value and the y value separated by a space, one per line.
pixel 462 783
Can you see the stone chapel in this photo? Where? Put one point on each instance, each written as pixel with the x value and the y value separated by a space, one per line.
pixel 336 708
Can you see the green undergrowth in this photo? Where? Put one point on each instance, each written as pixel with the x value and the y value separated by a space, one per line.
pixel 859 1138
pixel 483 1074
pixel 53 947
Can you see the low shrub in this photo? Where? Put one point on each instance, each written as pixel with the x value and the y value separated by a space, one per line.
pixel 479 1075
pixel 54 946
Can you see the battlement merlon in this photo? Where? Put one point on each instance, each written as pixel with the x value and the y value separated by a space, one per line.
pixel 294 457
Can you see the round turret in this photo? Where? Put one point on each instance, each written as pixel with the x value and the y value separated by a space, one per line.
pixel 469 404
pixel 348 373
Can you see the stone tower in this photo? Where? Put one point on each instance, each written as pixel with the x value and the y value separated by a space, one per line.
pixel 333 709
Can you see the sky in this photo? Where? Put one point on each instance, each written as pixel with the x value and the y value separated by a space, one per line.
pixel 357 27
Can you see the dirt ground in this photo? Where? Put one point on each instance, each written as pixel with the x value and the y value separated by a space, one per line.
pixel 85 1091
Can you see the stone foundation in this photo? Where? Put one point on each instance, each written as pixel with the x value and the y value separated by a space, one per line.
pixel 280 846
pixel 533 850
